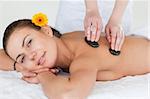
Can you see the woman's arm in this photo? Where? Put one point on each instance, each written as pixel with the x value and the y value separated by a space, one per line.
pixel 77 86
pixel 6 63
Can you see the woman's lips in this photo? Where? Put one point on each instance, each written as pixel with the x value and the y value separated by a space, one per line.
pixel 42 59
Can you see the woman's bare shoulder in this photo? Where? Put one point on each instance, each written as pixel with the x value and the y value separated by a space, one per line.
pixel 74 34
pixel 73 39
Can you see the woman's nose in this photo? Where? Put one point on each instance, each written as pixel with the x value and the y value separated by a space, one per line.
pixel 32 55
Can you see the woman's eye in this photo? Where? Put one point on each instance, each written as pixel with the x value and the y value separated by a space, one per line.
pixel 22 59
pixel 29 43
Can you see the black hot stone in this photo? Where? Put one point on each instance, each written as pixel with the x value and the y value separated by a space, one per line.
pixel 113 52
pixel 92 44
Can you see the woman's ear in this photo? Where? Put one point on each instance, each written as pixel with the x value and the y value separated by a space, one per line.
pixel 47 30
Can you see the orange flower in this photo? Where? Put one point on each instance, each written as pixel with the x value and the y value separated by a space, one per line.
pixel 40 19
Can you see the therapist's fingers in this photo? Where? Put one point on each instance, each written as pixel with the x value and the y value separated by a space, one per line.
pixel 113 39
pixel 98 35
pixel 85 32
pixel 108 34
pixel 93 30
pixel 87 25
pixel 122 40
pixel 118 40
pixel 88 33
pixel 85 28
pixel 99 29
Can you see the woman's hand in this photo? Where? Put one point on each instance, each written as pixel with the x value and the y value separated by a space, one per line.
pixel 115 35
pixel 31 76
pixel 93 25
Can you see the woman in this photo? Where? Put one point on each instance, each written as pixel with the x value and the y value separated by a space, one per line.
pixel 36 48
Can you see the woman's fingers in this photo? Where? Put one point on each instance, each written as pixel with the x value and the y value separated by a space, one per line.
pixel 41 70
pixel 32 80
pixel 28 74
pixel 55 70
pixel 39 67
pixel 33 73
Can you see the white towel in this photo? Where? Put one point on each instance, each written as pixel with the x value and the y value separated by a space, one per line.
pixel 130 87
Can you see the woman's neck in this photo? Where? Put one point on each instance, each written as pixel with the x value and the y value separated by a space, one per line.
pixel 64 55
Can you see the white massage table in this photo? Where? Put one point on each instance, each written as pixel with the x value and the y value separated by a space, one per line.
pixel 137 87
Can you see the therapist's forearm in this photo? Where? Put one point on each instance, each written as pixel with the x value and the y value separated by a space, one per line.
pixel 91 5
pixel 118 10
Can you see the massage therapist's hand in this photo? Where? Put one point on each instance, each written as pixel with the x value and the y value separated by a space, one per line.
pixel 31 76
pixel 115 35
pixel 93 25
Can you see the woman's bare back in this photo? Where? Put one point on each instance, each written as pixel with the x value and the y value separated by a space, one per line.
pixel 133 59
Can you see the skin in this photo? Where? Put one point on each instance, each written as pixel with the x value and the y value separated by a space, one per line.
pixel 92 17
pixel 6 62
pixel 113 29
pixel 86 64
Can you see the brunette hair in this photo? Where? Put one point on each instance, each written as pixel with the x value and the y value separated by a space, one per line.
pixel 23 23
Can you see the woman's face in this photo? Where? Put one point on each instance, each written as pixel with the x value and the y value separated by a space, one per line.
pixel 32 48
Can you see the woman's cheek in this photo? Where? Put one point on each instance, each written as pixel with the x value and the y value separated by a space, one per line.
pixel 50 63
pixel 30 65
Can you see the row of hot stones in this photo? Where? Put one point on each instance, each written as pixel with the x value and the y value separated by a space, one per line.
pixel 96 45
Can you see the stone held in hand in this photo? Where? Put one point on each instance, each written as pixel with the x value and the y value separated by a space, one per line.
pixel 92 44
pixel 113 52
